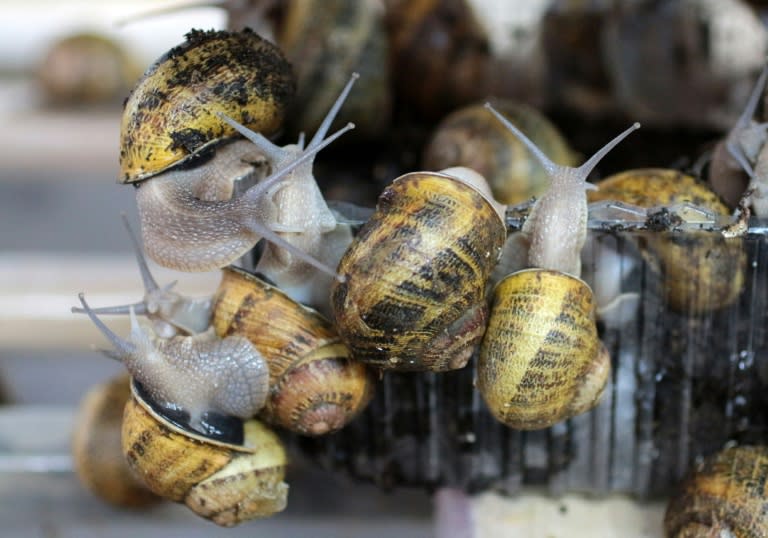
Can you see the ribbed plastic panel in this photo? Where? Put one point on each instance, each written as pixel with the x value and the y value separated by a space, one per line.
pixel 682 386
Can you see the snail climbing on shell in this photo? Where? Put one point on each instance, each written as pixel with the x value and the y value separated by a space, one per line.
pixel 413 295
pixel 200 374
pixel 541 360
pixel 723 496
pixel 315 387
pixel 235 477
pixel 179 147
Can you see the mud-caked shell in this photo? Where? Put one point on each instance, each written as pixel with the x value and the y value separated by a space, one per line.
pixel 541 360
pixel 171 115
pixel 225 482
pixel 472 137
pixel 315 386
pixel 414 291
pixel 96 448
pixel 723 496
pixel 701 271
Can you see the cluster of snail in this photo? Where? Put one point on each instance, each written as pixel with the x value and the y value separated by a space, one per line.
pixel 435 275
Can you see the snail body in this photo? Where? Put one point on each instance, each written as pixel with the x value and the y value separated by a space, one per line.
pixel 227 481
pixel 96 447
pixel 541 360
pixel 470 137
pixel 200 374
pixel 414 291
pixel 735 158
pixel 315 386
pixel 702 271
pixel 722 496
pixel 194 214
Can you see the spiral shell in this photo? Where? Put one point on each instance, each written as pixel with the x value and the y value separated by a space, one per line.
pixel 541 361
pixel 414 291
pixel 226 482
pixel 701 271
pixel 315 386
pixel 472 137
pixel 96 448
pixel 723 496
pixel 325 41
pixel 171 115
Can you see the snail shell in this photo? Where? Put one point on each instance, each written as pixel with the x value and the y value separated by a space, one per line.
pixel 96 448
pixel 226 482
pixel 723 496
pixel 315 386
pixel 702 271
pixel 440 55
pixel 541 360
pixel 415 275
pixel 324 41
pixel 86 69
pixel 473 138
pixel 172 114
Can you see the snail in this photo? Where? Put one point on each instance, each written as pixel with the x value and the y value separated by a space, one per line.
pixel 724 495
pixel 169 312
pixel 541 360
pixel 293 208
pixel 200 375
pixel 719 46
pixel 86 69
pixel 470 137
pixel 96 449
pixel 315 386
pixel 737 154
pixel 443 45
pixel 325 40
pixel 702 271
pixel 176 138
pixel 413 295
pixel 235 477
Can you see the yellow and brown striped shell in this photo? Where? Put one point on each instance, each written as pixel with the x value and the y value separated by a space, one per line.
pixel 723 496
pixel 472 137
pixel 96 448
pixel 224 482
pixel 315 386
pixel 701 271
pixel 171 115
pixel 414 291
pixel 541 360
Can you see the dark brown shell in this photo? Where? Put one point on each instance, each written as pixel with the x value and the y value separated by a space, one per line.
pixel 96 448
pixel 171 115
pixel 701 271
pixel 439 55
pixel 723 496
pixel 415 275
pixel 326 41
pixel 315 386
